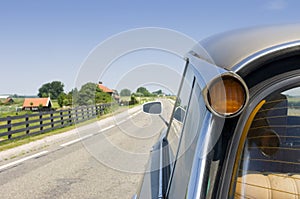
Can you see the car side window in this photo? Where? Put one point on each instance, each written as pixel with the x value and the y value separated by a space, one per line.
pixel 186 152
pixel 270 161
pixel 180 108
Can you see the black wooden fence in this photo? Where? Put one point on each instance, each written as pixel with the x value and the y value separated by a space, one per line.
pixel 13 127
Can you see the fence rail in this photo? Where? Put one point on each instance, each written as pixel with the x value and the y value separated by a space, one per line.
pixel 12 127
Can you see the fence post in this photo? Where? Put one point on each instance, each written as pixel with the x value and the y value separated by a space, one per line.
pixel 87 112
pixel 9 127
pixel 97 110
pixel 41 121
pixel 70 116
pixel 27 123
pixel 51 119
pixel 82 112
pixel 61 117
pixel 76 115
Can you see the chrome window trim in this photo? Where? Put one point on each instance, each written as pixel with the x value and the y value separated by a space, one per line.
pixel 195 186
pixel 268 51
pixel 257 94
pixel 177 96
pixel 160 188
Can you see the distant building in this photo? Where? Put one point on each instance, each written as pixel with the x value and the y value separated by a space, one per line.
pixel 116 95
pixel 37 104
pixel 105 89
pixel 8 100
pixel 111 92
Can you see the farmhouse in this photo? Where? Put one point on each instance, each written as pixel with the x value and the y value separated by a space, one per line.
pixel 105 89
pixel 111 92
pixel 37 104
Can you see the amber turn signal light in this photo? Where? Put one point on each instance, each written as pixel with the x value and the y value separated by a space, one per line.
pixel 227 95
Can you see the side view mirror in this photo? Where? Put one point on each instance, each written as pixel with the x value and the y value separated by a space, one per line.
pixel 154 108
pixel 179 114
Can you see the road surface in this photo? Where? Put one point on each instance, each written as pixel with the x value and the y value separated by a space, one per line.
pixel 105 159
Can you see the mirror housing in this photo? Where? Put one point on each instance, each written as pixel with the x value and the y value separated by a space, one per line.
pixel 154 108
pixel 179 114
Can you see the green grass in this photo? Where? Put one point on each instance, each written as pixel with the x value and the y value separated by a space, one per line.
pixel 55 104
pixel 10 109
pixel 125 98
pixel 8 144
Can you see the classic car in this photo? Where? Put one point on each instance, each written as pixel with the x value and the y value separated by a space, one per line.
pixel 235 127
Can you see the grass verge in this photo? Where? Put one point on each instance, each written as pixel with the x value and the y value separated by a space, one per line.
pixel 8 144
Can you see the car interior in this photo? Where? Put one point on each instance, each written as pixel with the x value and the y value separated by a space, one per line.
pixel 269 167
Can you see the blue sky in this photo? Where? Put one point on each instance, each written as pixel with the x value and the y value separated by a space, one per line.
pixel 42 41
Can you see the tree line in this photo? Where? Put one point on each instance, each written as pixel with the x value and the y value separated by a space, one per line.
pixel 88 94
pixel 141 91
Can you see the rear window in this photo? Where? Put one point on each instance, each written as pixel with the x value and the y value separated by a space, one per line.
pixel 270 164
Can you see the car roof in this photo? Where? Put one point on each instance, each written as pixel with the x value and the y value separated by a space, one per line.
pixel 229 49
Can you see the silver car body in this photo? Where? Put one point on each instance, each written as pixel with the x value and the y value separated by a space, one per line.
pixel 246 53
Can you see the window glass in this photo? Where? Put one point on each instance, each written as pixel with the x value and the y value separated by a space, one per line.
pixel 181 105
pixel 193 123
pixel 270 163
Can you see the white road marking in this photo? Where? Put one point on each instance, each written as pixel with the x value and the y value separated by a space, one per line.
pixel 105 129
pixel 22 160
pixel 131 116
pixel 63 145
pixel 77 140
pixel 109 127
pixel 120 122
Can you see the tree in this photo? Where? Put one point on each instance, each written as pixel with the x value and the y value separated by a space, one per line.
pixel 64 99
pixel 40 107
pixel 61 98
pixel 91 94
pixel 133 100
pixel 57 88
pixel 44 90
pixel 144 91
pixel 125 92
pixel 74 93
pixel 86 95
pixel 53 89
pixel 102 97
pixel 159 92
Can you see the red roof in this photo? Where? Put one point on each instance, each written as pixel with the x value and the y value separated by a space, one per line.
pixel 105 89
pixel 35 102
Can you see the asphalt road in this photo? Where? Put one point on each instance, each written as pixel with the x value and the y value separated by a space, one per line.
pixel 103 160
